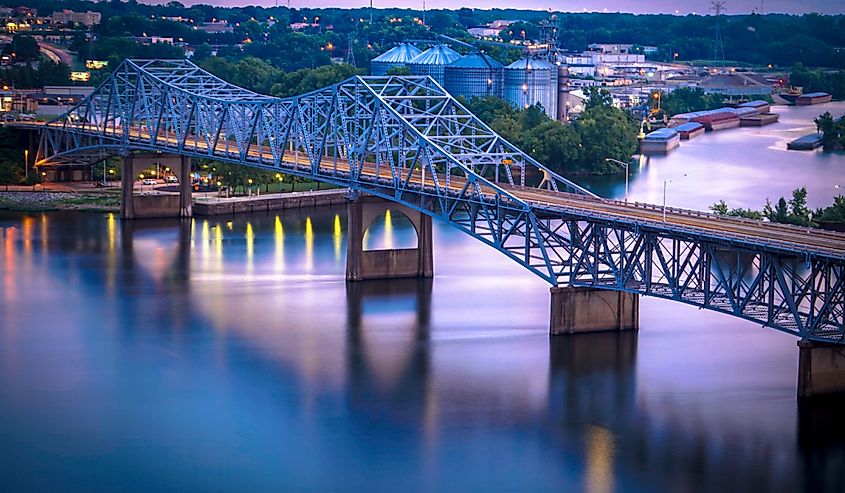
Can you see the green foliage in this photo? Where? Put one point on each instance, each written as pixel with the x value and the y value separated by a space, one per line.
pixel 598 98
pixel 832 82
pixel 400 70
pixel 794 211
pixel 581 148
pixel 833 130
pixel 11 157
pixel 305 80
pixel 833 214
pixel 686 99
pixel 24 48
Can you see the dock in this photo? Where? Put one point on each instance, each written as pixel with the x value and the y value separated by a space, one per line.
pixel 216 206
pixel 806 143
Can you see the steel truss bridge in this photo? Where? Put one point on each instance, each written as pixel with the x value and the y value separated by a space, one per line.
pixel 407 140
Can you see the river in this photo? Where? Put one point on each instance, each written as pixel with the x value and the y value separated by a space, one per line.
pixel 218 355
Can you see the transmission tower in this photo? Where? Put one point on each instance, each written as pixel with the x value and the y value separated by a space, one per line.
pixel 718 7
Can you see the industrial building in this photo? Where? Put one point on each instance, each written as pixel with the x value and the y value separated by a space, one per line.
pixel 396 57
pixel 474 75
pixel 433 62
pixel 529 81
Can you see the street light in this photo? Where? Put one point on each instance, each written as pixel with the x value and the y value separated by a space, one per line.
pixel 665 183
pixel 611 160
pixel 26 163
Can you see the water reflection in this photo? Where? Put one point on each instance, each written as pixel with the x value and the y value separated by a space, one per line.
pixel 238 359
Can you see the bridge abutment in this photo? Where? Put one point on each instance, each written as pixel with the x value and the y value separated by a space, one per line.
pixel 577 309
pixel 386 264
pixel 821 368
pixel 162 205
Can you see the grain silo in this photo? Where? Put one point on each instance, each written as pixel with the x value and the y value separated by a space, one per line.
pixel 398 56
pixel 529 81
pixel 433 61
pixel 474 75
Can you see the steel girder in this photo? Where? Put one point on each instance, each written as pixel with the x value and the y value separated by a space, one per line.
pixel 407 140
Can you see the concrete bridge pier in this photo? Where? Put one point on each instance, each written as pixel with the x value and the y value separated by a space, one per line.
pixel 821 368
pixel 161 205
pixel 577 309
pixel 386 264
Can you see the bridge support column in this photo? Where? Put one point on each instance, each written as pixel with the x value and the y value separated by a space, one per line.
pixel 821 368
pixel 155 205
pixel 386 264
pixel 575 310
pixel 127 187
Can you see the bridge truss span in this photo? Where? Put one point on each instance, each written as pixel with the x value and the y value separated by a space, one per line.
pixel 407 140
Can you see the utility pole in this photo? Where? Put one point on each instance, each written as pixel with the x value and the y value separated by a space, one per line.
pixel 718 7
pixel 371 12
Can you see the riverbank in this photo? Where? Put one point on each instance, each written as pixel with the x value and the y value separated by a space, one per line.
pixel 48 200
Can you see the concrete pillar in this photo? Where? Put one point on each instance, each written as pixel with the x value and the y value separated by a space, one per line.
pixel 821 368
pixel 575 310
pixel 185 187
pixel 127 185
pixel 386 264
pixel 161 205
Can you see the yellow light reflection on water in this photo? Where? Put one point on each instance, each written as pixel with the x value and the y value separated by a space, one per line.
pixel 309 244
pixel 338 236
pixel 388 230
pixel 250 246
pixel 600 451
pixel 204 243
pixel 279 237
pixel 218 246
pixel 111 231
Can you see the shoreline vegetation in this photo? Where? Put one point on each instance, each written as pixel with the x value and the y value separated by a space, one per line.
pixel 47 200
pixel 793 211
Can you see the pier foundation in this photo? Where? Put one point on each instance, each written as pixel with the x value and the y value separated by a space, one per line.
pixel 134 206
pixel 821 368
pixel 576 309
pixel 386 264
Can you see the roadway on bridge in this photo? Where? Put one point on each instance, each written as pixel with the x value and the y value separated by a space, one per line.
pixel 740 230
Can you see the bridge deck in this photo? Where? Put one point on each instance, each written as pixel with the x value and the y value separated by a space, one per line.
pixel 751 232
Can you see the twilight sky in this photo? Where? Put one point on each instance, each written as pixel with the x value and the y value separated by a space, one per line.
pixel 637 6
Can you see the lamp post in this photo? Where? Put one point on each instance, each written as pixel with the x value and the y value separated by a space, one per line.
pixel 665 184
pixel 611 160
pixel 26 163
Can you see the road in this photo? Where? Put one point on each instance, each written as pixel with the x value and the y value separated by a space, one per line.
pixel 52 52
pixel 746 231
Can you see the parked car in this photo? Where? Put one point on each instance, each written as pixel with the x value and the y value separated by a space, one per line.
pixel 149 181
pixel 171 179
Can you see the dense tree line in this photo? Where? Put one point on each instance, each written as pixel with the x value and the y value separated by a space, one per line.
pixel 48 73
pixel 600 132
pixel 776 39
pixel 792 211
pixel 687 99
pixel 832 81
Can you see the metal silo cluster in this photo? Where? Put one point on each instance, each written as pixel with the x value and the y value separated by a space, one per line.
pixel 398 56
pixel 474 75
pixel 433 61
pixel 529 81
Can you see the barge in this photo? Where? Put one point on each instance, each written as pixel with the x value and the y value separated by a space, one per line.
pixel 689 130
pixel 806 143
pixel 660 141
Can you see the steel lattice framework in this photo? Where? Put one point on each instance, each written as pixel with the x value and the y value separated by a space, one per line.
pixel 407 140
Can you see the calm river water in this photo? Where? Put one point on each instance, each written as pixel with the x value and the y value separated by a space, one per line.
pixel 219 355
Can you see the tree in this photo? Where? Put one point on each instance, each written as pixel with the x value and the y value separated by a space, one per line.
pixel 606 132
pixel 202 52
pixel 720 208
pixel 24 48
pixel 798 211
pixel 778 214
pixel 597 97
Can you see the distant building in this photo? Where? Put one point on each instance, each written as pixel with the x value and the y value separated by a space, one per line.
pixel 490 30
pixel 609 48
pixel 734 84
pixel 216 27
pixel 87 19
